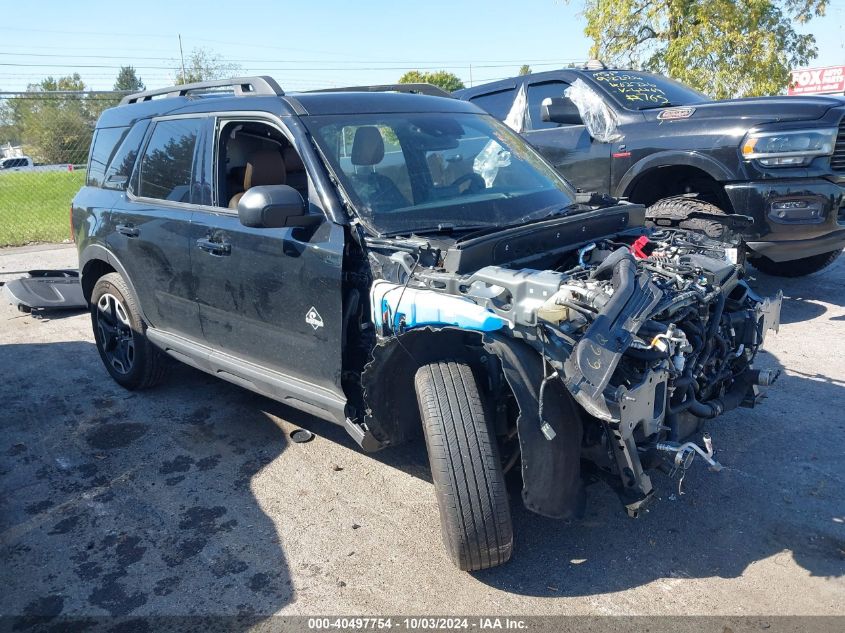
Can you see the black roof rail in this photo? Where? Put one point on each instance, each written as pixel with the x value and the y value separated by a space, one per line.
pixel 422 89
pixel 241 87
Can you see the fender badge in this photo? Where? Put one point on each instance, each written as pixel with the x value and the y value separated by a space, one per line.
pixel 671 114
pixel 313 318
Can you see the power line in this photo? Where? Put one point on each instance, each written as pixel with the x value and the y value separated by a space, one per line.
pixel 304 61
pixel 64 93
pixel 281 68
pixel 218 41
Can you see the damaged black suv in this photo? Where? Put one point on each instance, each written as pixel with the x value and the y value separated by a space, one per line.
pixel 394 262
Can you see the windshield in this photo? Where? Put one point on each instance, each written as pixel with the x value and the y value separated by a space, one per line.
pixel 436 171
pixel 642 91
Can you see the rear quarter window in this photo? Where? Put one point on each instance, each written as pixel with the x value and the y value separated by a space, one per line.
pixel 113 154
pixel 123 159
pixel 103 147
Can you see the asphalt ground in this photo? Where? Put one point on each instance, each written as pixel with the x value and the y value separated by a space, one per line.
pixel 191 499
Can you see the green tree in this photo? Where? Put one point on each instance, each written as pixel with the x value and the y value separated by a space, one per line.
pixel 724 48
pixel 525 69
pixel 128 80
pixel 54 127
pixel 440 78
pixel 204 65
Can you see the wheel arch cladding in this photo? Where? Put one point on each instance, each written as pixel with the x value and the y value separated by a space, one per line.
pixel 391 411
pixel 654 172
pixel 96 261
pixel 91 272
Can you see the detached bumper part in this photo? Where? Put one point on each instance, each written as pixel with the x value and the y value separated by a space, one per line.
pixel 47 290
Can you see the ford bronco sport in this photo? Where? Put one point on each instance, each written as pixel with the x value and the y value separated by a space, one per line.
pixel 394 262
pixel 644 137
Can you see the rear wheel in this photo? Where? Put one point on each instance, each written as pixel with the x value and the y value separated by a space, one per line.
pixel 469 484
pixel 676 211
pixel 131 360
pixel 796 267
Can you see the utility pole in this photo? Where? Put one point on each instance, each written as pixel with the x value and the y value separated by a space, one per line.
pixel 182 57
pixel 470 75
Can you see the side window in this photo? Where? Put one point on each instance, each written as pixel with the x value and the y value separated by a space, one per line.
pixel 496 103
pixel 536 94
pixel 252 154
pixel 167 162
pixel 122 160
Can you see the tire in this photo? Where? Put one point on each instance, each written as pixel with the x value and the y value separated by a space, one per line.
pixel 796 267
pixel 129 357
pixel 469 484
pixel 677 209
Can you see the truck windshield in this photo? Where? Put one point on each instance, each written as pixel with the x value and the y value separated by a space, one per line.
pixel 643 91
pixel 421 172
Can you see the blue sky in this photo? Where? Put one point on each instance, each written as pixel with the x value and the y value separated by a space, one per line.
pixel 325 43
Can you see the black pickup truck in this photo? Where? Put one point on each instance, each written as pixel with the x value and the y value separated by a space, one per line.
pixel 654 141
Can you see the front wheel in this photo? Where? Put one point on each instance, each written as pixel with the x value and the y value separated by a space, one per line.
pixel 131 360
pixel 796 267
pixel 469 484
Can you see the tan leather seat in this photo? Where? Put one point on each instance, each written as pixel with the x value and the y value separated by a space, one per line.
pixel 263 168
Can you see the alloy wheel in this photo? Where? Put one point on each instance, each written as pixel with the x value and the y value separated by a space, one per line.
pixel 114 333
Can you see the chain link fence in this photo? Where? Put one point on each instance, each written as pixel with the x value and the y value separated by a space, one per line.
pixel 44 142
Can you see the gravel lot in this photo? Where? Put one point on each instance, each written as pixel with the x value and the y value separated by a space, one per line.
pixel 191 499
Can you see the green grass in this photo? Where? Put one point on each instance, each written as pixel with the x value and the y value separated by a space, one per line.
pixel 35 206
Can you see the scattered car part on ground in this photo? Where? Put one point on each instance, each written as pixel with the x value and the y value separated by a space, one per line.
pixel 301 436
pixel 646 138
pixel 398 263
pixel 43 290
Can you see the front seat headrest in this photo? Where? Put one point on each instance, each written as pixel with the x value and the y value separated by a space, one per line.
pixel 368 146
pixel 265 168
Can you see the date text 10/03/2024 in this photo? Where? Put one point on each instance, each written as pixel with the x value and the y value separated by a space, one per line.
pixel 413 624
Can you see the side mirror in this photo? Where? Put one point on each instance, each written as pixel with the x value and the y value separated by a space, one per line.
pixel 271 207
pixel 560 110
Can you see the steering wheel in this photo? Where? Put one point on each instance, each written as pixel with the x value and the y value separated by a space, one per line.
pixel 476 183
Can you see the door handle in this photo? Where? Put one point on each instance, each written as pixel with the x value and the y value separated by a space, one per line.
pixel 219 249
pixel 129 230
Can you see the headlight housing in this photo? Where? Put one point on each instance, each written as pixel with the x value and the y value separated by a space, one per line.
pixel 788 148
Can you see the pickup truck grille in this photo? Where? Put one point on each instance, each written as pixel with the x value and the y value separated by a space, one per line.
pixel 837 161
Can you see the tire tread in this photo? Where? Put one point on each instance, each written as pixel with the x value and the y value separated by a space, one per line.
pixel 468 479
pixel 677 209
